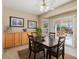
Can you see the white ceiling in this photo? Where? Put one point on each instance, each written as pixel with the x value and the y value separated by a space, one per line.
pixel 31 6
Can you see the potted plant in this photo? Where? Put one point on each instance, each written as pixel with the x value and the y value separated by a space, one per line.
pixel 39 32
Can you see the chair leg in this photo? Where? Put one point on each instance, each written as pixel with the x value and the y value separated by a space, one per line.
pixel 63 56
pixel 44 52
pixel 29 54
pixel 57 57
pixel 47 55
pixel 34 55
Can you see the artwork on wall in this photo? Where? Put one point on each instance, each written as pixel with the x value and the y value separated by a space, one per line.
pixel 16 22
pixel 45 24
pixel 31 24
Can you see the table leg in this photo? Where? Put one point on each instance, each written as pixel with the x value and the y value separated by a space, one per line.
pixel 49 55
pixel 46 54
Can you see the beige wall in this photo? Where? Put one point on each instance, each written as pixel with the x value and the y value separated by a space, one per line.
pixel 7 12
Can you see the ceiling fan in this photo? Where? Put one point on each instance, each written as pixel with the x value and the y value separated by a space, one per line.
pixel 45 6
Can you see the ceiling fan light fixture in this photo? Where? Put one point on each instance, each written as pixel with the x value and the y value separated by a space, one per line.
pixel 45 6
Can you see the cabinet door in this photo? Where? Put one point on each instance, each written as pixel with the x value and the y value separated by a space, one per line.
pixel 24 38
pixel 9 40
pixel 3 41
pixel 17 39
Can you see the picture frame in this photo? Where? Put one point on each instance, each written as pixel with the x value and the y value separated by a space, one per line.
pixel 31 24
pixel 16 22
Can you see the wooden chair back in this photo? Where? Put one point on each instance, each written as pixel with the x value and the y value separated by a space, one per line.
pixel 31 42
pixel 52 35
pixel 61 44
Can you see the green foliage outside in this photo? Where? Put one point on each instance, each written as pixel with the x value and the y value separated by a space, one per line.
pixel 62 27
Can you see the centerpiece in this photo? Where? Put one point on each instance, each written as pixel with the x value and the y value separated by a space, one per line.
pixel 39 33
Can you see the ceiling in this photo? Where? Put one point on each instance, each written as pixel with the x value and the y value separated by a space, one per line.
pixel 32 6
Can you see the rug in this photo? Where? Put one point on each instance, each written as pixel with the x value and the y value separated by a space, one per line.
pixel 23 54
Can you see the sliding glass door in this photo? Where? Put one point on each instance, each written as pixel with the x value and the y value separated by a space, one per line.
pixel 68 28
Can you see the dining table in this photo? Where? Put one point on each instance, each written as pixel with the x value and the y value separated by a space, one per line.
pixel 48 43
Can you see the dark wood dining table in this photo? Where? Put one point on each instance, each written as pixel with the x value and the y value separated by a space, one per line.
pixel 48 43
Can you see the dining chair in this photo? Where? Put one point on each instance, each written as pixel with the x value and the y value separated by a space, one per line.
pixel 35 47
pixel 57 50
pixel 52 35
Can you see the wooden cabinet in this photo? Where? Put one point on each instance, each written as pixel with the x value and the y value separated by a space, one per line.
pixel 9 40
pixel 24 38
pixel 3 41
pixel 15 39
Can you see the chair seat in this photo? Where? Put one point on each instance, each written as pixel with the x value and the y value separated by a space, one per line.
pixel 54 51
pixel 38 48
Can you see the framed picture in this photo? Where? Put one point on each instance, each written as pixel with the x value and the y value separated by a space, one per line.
pixel 31 24
pixel 16 22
